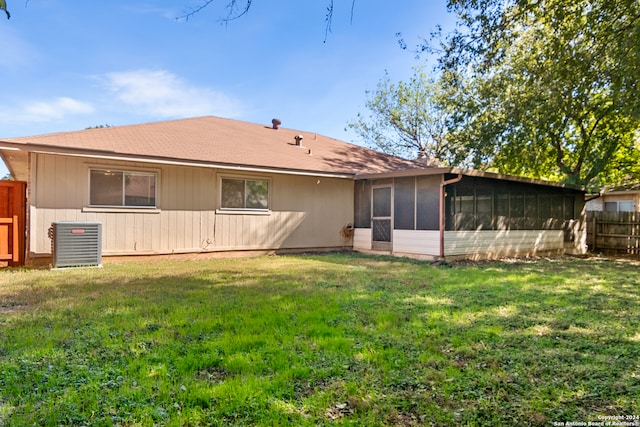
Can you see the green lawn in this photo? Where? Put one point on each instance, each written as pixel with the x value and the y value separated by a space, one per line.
pixel 320 340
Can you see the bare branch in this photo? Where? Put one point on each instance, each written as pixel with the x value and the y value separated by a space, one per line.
pixel 231 7
pixel 188 15
pixel 328 19
pixel 353 6
pixel 235 12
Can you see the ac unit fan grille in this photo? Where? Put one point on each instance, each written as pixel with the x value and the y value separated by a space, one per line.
pixel 77 244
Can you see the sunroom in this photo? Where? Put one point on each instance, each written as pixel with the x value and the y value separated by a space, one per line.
pixel 449 213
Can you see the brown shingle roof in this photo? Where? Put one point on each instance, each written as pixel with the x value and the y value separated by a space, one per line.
pixel 219 141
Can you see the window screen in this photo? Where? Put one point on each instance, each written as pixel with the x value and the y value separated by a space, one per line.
pixel 122 188
pixel 625 206
pixel 428 203
pixel 404 200
pixel 484 204
pixel 244 194
pixel 362 204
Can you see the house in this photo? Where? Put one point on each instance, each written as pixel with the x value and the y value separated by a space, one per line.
pixel 613 220
pixel 624 198
pixel 206 185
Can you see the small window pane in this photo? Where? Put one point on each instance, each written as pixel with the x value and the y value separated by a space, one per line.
pixel 105 188
pixel 611 206
pixel 382 202
pixel 140 190
pixel 257 194
pixel 625 206
pixel 233 193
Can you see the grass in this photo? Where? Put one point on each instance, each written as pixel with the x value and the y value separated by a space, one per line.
pixel 335 339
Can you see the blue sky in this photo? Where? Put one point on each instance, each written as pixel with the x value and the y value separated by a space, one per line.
pixel 69 65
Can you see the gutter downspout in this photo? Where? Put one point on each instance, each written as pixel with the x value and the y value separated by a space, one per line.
pixel 442 212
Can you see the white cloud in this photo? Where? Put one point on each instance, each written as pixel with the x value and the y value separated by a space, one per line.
pixel 56 109
pixel 165 95
pixel 42 111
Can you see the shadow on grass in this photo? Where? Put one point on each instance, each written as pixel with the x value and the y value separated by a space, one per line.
pixel 374 340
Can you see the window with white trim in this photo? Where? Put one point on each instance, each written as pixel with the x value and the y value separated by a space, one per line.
pixel 619 206
pixel 118 188
pixel 239 193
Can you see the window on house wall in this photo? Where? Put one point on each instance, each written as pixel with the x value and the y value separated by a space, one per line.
pixel 619 206
pixel 625 206
pixel 244 194
pixel 117 188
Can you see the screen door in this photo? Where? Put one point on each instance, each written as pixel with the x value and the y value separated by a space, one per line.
pixel 381 219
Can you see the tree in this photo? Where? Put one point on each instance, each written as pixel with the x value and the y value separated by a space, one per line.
pixel 405 119
pixel 3 6
pixel 546 88
pixel 236 9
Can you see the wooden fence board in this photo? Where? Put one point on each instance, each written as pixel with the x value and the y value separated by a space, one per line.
pixel 614 232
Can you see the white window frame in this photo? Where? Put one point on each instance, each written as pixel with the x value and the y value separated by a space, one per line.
pixel 124 172
pixel 244 209
pixel 618 205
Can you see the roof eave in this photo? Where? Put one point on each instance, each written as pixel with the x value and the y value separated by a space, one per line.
pixel 112 155
pixel 467 172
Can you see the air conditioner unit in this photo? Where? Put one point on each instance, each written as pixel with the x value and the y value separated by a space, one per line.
pixel 76 244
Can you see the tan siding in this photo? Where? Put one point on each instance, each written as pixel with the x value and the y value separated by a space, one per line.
pixel 238 232
pixel 307 212
pixel 504 242
pixel 419 242
pixel 318 208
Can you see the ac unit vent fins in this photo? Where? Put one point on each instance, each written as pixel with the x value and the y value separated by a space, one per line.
pixel 76 244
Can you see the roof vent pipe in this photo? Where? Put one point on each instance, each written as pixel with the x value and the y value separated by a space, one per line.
pixel 299 139
pixel 276 123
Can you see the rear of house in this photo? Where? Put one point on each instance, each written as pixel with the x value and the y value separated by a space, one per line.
pixel 206 185
pixel 193 186
pixel 151 209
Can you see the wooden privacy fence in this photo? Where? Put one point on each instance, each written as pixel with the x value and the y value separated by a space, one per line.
pixel 614 232
pixel 9 242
